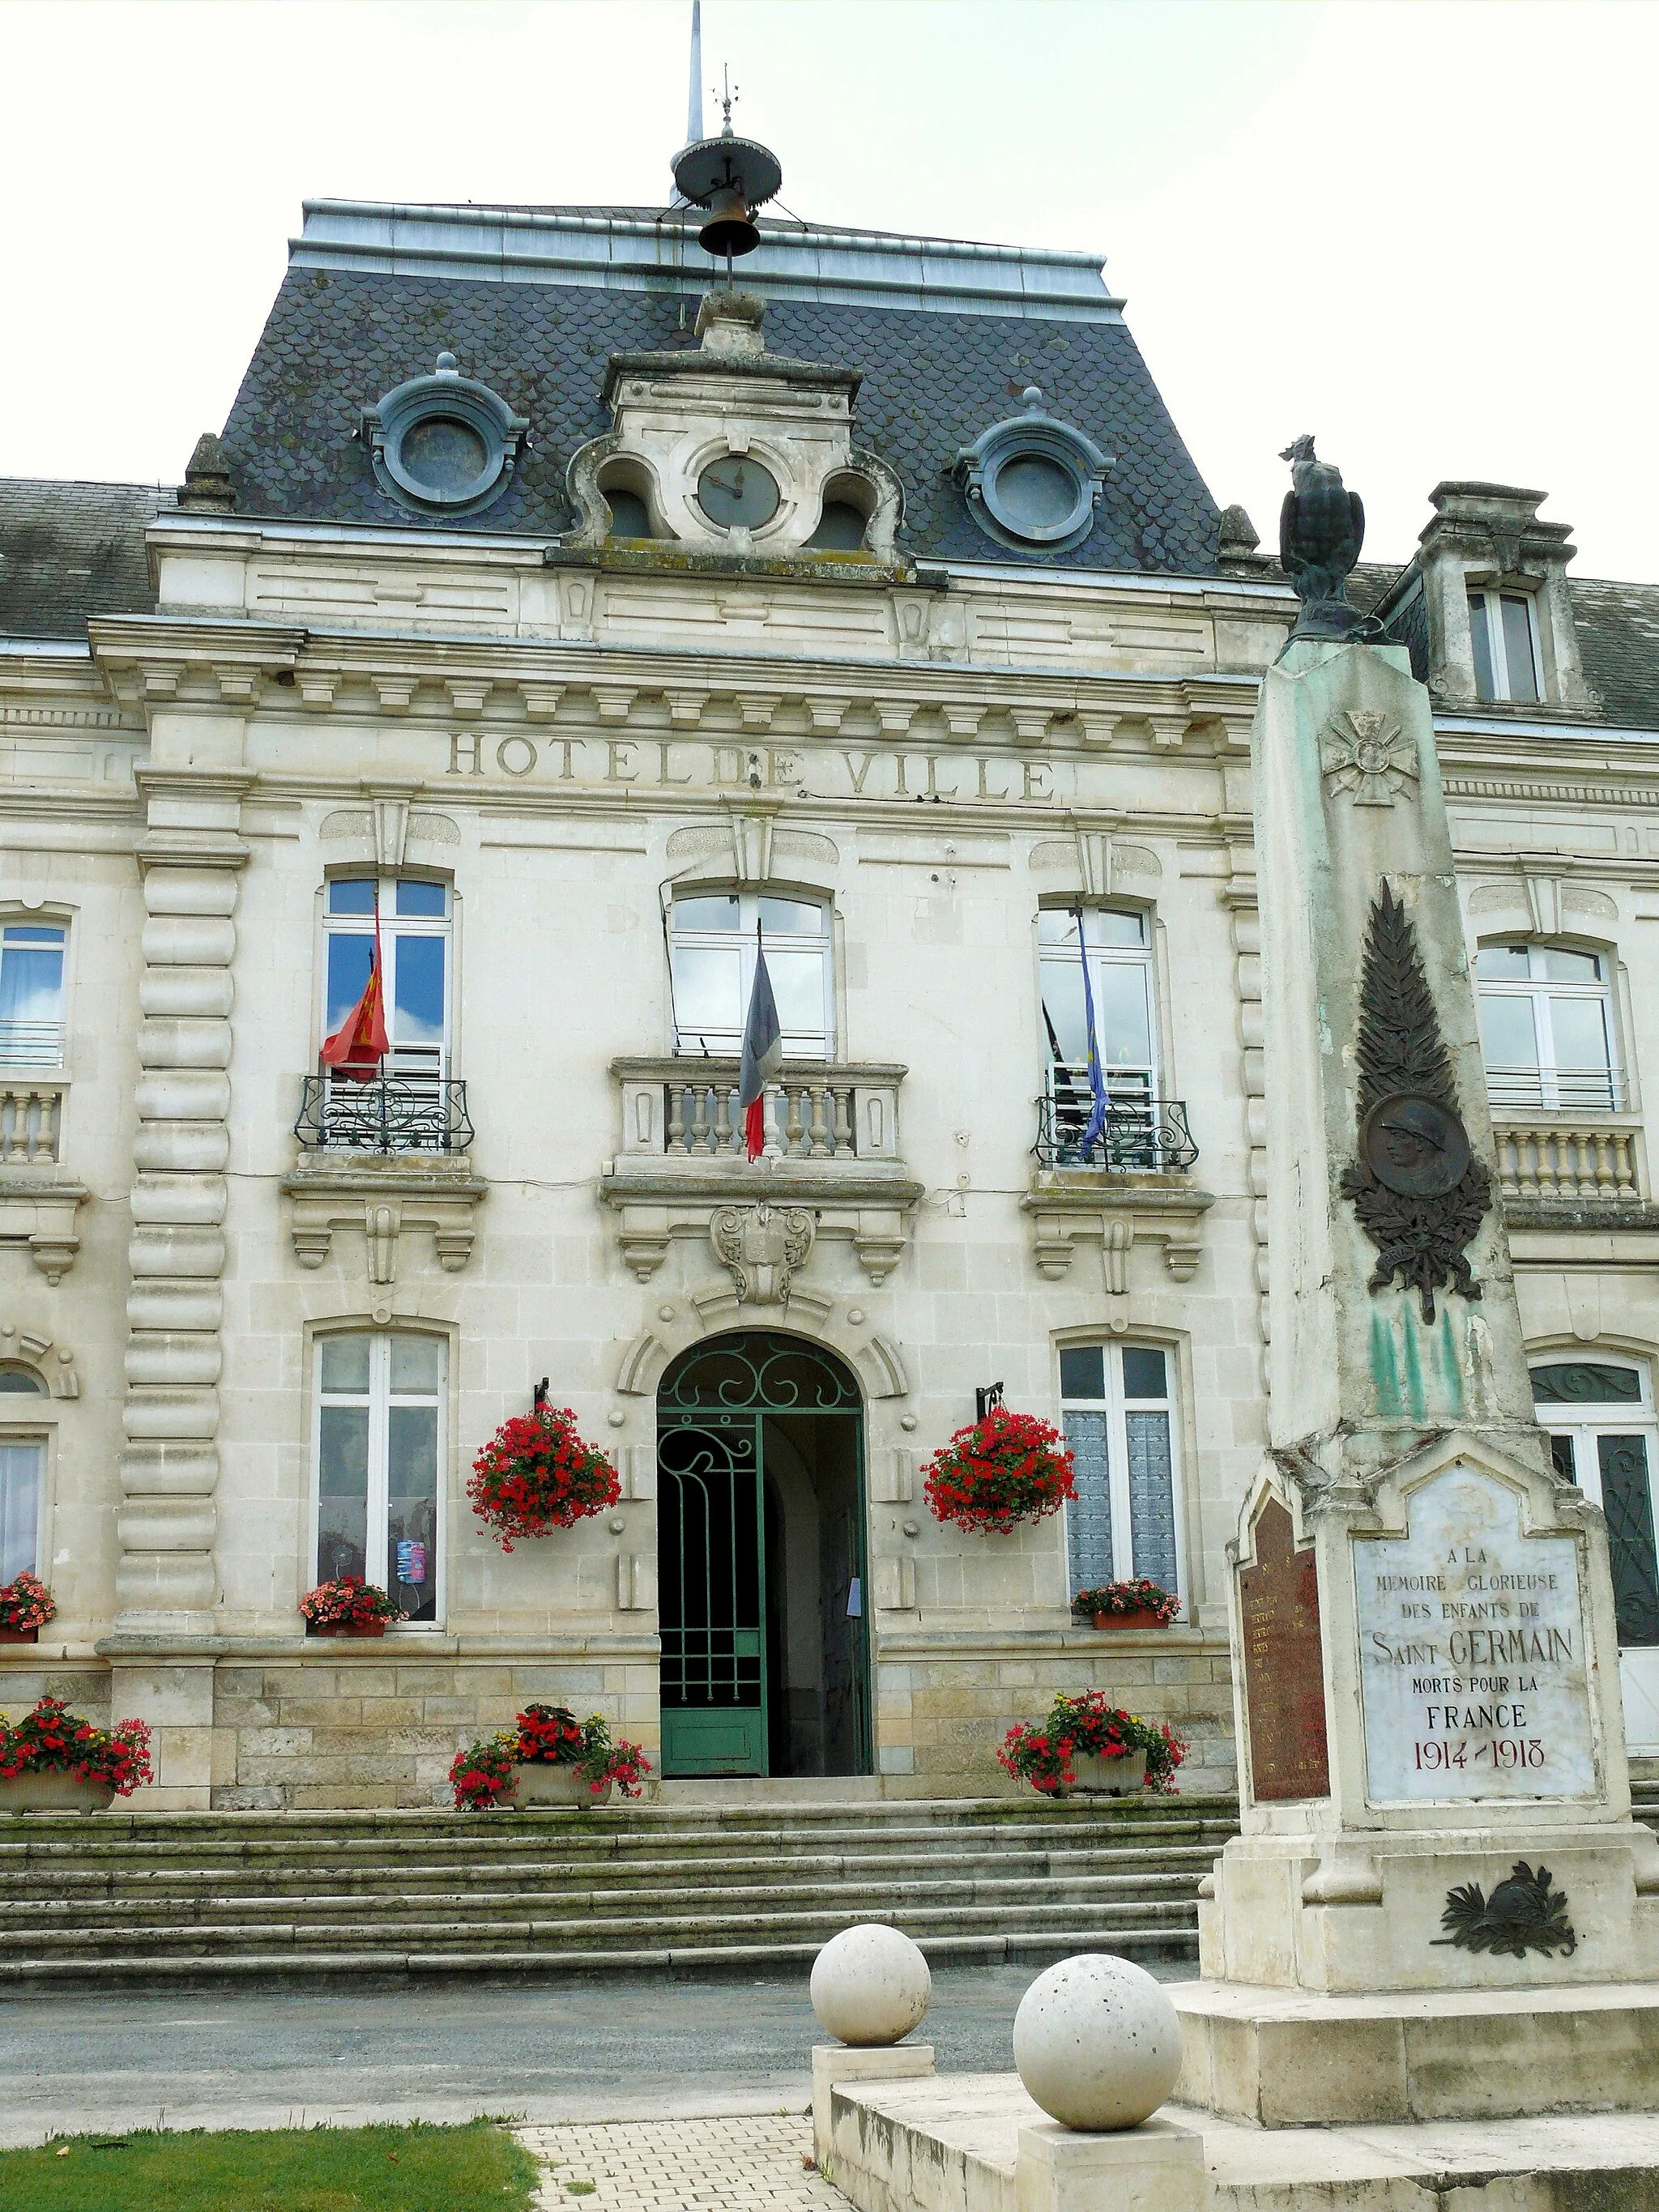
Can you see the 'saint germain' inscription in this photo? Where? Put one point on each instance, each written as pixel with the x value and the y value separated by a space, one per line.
pixel 661 763
pixel 1472 1658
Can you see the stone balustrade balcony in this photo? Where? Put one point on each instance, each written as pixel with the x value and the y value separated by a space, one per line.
pixel 1568 1160
pixel 39 1200
pixel 31 1119
pixel 832 1146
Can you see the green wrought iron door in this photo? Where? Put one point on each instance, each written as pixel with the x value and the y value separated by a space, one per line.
pixel 712 1594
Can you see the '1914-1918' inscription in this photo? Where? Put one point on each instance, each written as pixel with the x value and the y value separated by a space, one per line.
pixel 1471 1652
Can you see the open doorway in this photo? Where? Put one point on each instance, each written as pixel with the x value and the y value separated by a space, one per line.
pixel 763 1602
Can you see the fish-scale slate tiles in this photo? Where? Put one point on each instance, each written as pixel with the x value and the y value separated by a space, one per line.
pixel 336 341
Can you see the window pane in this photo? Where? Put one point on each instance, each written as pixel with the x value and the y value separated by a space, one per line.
pixel 342 1492
pixel 22 1381
pixel 1509 964
pixel 349 962
pixel 31 1002
pixel 1123 1020
pixel 1062 1002
pixel 708 992
pixel 1481 641
pixel 351 894
pixel 1517 647
pixel 1580 1028
pixel 20 1508
pixel 1089 1515
pixel 345 1363
pixel 29 932
pixel 1585 1382
pixel 417 1363
pixel 412 1510
pixel 1056 926
pixel 1562 967
pixel 1627 1501
pixel 1151 1497
pixel 1144 1372
pixel 418 984
pixel 1107 927
pixel 713 911
pixel 1508 1036
pixel 792 916
pixel 1561 1458
pixel 798 987
pixel 422 898
pixel 1083 1372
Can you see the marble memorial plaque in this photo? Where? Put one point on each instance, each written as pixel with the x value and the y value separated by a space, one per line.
pixel 1471 1652
pixel 1284 1664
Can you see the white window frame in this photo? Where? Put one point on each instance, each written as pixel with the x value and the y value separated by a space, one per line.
pixel 1118 1405
pixel 381 1398
pixel 1558 1089
pixel 417 1063
pixel 45 1050
pixel 1488 598
pixel 1586 1421
pixel 797 1044
pixel 25 1419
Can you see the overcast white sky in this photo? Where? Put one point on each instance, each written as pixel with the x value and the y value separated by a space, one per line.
pixel 1422 228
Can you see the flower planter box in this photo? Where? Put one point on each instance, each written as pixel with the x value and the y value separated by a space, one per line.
pixel 348 1628
pixel 1110 1778
pixel 20 1636
pixel 540 1782
pixel 1140 1618
pixel 53 1793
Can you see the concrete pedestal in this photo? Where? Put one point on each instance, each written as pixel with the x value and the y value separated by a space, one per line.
pixel 833 2063
pixel 1155 2168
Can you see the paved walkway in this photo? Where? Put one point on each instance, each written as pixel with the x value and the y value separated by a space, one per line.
pixel 753 2165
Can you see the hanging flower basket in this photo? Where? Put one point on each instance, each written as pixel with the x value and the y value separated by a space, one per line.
pixel 536 1474
pixel 349 1607
pixel 999 1472
pixel 550 1758
pixel 54 1761
pixel 1087 1729
pixel 1139 1604
pixel 26 1606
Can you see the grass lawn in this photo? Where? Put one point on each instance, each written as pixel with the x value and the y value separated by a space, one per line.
pixel 386 2169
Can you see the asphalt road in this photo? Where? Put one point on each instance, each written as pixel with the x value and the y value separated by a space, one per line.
pixel 76 2063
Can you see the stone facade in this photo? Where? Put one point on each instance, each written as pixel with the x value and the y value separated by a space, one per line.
pixel 565 739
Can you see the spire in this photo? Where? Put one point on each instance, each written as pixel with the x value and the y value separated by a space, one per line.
pixel 694 111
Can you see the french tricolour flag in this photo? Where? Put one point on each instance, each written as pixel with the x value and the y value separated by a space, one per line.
pixel 762 1058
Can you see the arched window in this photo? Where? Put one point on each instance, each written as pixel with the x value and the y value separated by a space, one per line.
pixel 714 938
pixel 1600 1416
pixel 1546 1028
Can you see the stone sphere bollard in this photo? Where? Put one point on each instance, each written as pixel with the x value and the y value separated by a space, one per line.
pixel 1097 2043
pixel 870 1985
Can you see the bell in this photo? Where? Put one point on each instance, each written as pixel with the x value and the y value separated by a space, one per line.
pixel 731 230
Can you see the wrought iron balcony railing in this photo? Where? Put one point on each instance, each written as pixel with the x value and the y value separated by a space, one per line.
pixel 394 1114
pixel 1143 1135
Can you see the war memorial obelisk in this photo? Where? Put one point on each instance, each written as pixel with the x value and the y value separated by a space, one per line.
pixel 1439 1906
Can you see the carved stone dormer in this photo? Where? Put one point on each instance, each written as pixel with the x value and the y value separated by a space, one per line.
pixel 727 449
pixel 1486 540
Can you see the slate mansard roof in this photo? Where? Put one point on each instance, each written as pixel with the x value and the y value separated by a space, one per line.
pixel 533 301
pixel 69 551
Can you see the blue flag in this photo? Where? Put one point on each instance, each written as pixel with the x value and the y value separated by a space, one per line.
pixel 1093 1134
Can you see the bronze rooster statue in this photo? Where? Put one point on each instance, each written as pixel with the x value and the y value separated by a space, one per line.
pixel 1322 528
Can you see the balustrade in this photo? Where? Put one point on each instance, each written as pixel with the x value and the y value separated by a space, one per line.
pixel 1566 1159
pixel 689 1109
pixel 31 1116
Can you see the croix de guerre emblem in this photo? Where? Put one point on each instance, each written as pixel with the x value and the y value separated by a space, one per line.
pixel 1367 755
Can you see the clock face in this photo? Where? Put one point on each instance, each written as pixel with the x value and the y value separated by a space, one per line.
pixel 737 489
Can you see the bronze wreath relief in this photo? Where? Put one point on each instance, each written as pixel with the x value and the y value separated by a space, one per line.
pixel 1418 1191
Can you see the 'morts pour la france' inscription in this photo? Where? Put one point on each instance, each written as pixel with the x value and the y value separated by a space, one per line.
pixel 1472 1659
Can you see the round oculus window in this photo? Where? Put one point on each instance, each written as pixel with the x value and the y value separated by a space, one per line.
pixel 736 491
pixel 443 454
pixel 1034 495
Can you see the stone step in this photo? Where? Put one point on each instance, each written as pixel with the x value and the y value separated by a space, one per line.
pixel 401 1931
pixel 218 1909
pixel 132 1880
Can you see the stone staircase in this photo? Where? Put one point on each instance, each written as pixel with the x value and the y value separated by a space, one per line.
pixel 128 1898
